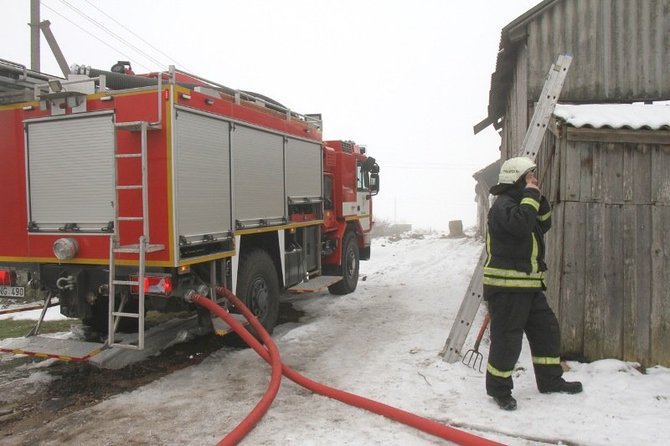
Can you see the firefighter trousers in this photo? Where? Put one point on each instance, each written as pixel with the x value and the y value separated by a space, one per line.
pixel 512 315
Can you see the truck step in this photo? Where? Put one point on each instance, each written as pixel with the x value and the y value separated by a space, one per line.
pixel 43 347
pixel 314 284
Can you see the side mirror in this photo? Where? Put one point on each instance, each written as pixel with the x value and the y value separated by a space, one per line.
pixel 374 183
pixel 368 164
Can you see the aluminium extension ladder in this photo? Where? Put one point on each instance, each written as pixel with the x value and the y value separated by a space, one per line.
pixel 141 248
pixel 529 148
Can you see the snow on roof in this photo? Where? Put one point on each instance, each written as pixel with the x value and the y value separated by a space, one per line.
pixel 617 116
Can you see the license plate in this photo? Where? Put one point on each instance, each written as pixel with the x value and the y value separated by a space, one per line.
pixel 12 291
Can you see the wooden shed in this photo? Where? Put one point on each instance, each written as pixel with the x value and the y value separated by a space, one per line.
pixel 620 49
pixel 608 251
pixel 608 180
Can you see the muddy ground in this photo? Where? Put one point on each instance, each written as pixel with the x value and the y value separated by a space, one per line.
pixel 35 392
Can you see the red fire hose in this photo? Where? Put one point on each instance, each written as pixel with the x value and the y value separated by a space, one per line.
pixel 273 358
pixel 410 419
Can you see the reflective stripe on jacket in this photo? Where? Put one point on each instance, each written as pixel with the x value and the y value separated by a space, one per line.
pixel 515 246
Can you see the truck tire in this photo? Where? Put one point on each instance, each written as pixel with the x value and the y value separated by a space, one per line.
pixel 349 266
pixel 258 287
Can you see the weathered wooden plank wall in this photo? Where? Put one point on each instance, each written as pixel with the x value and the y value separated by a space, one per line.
pixel 611 301
pixel 609 277
pixel 571 307
pixel 620 49
pixel 593 289
pixel 660 178
pixel 660 294
pixel 516 120
pixel 609 249
pixel 637 283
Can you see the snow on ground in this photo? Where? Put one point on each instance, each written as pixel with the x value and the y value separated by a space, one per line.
pixel 53 314
pixel 381 342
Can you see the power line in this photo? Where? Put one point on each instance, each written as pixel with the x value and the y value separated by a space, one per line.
pixel 93 35
pixel 136 35
pixel 111 33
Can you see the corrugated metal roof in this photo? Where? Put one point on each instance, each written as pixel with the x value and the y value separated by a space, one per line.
pixel 615 116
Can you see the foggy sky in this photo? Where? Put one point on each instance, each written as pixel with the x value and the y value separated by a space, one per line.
pixel 408 79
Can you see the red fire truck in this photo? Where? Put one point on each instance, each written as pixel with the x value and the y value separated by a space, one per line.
pixel 124 193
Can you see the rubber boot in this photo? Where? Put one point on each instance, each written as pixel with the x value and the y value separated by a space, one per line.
pixel 563 386
pixel 506 402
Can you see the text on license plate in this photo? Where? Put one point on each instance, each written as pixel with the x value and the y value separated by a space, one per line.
pixel 12 291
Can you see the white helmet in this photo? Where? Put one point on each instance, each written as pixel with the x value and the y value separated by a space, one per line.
pixel 515 168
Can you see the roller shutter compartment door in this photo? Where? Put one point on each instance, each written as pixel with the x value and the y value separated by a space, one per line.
pixel 202 175
pixel 71 172
pixel 258 172
pixel 303 169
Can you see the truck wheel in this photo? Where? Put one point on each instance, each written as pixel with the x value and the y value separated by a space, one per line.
pixel 258 287
pixel 349 268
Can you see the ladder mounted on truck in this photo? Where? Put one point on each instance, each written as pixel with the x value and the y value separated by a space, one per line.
pixel 529 148
pixel 143 246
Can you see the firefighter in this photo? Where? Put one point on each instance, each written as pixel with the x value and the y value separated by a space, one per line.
pixel 514 285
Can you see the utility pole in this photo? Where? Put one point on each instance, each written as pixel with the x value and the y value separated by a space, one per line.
pixel 35 35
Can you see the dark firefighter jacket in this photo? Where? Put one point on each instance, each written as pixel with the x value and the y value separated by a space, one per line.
pixel 515 246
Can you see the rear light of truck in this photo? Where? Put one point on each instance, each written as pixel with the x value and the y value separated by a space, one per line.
pixel 7 277
pixel 154 284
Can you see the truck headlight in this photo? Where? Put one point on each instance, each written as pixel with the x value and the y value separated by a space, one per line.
pixel 65 248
